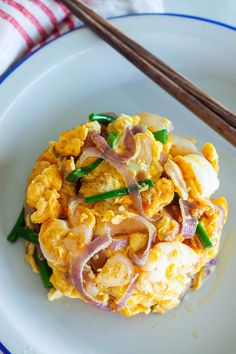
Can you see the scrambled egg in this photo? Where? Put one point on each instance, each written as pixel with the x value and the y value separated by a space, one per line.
pixel 42 194
pixel 68 226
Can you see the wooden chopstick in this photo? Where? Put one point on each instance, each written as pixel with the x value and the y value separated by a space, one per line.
pixel 159 64
pixel 210 111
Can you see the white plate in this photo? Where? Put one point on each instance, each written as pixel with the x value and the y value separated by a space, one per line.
pixel 56 89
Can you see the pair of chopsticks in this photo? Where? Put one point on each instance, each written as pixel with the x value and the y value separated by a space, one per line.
pixel 218 117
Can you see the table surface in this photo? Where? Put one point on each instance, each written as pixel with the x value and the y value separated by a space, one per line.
pixel 219 10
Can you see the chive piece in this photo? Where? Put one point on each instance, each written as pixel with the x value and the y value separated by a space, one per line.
pixel 112 139
pixel 27 234
pixel 203 237
pixel 101 118
pixel 115 193
pixel 44 270
pixel 200 231
pixel 75 175
pixel 12 237
pixel 107 195
pixel 83 171
pixel 161 135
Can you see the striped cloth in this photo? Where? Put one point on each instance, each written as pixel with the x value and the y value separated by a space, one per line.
pixel 26 24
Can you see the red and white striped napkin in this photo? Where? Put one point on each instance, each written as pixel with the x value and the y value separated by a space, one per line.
pixel 25 24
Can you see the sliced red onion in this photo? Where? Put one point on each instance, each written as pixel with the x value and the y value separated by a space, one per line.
pixel 86 271
pixel 129 142
pixel 139 128
pixel 132 186
pixel 88 141
pixel 189 222
pixel 123 300
pixel 130 181
pixel 174 213
pixel 140 258
pixel 90 152
pixel 118 243
pixel 208 267
pixel 130 145
pixel 175 174
pixel 89 284
pixel 183 216
pixel 79 263
pixel 104 132
pixel 136 224
pixel 212 262
pixel 134 166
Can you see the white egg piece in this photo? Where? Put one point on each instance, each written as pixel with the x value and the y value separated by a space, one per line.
pixel 155 121
pixel 198 170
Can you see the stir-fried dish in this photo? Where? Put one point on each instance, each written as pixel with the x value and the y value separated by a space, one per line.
pixel 119 212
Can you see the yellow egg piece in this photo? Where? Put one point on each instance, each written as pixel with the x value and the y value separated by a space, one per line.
pixel 125 249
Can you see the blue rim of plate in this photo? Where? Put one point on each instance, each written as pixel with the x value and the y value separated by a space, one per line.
pixel 167 14
pixel 3 349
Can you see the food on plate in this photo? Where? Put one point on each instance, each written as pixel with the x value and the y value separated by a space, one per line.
pixel 119 212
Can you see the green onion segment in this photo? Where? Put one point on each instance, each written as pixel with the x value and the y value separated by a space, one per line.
pixel 115 193
pixel 27 234
pixel 75 175
pixel 101 118
pixel 203 237
pixel 12 237
pixel 161 135
pixel 44 270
